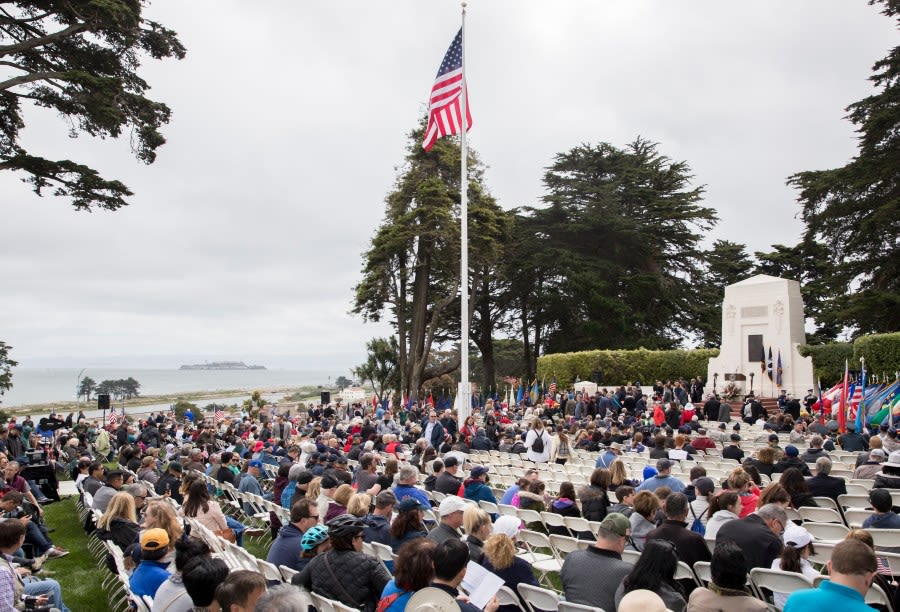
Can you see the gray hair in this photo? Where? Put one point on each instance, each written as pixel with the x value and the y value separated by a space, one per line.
pixel 136 490
pixel 407 473
pixel 282 598
pixel 823 466
pixel 773 511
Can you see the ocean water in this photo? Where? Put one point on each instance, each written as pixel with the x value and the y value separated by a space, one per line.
pixel 43 385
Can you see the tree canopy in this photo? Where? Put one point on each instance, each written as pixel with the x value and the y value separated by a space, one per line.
pixel 6 366
pixel 854 211
pixel 80 58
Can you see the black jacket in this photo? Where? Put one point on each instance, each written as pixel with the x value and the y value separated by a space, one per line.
pixel 353 578
pixel 826 486
pixel 760 544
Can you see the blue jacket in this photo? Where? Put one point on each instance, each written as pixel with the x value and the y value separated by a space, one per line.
pixel 890 520
pixel 478 491
pixel 401 492
pixel 286 548
pixel 148 576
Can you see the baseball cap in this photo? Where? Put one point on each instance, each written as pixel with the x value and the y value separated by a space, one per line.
pixel 258 446
pixel 773 437
pixel 479 470
pixel 791 451
pixel 410 503
pixel 663 464
pixel 451 504
pixel 508 525
pixel 877 453
pixel 255 463
pixel 704 485
pixel 616 523
pixel 799 538
pixel 154 539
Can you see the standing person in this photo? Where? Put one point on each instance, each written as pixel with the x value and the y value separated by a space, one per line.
pixel 537 442
pixel 851 570
pixel 562 449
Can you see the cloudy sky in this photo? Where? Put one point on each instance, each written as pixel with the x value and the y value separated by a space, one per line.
pixel 244 239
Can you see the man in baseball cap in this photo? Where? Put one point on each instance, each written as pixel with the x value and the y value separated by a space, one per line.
pixel 592 576
pixel 451 513
pixel 152 571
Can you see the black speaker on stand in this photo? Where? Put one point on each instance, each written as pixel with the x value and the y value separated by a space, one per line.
pixel 103 404
pixel 326 398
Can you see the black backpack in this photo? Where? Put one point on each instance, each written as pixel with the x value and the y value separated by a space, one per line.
pixel 538 445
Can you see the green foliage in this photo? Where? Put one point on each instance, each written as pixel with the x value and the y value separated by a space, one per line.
pixel 86 389
pixel 620 367
pixel 6 366
pixel 727 263
pixel 123 388
pixel 882 352
pixel 620 240
pixel 828 360
pixel 81 59
pixel 855 209
pixel 411 271
pixel 381 367
pixel 342 382
pixel 181 406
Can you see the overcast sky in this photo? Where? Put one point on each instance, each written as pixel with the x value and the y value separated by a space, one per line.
pixel 244 239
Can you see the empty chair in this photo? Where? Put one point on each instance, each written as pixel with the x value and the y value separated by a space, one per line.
pixel 885 538
pixel 853 500
pixel 820 515
pixel 830 532
pixel 703 571
pixel 552 519
pixel 855 517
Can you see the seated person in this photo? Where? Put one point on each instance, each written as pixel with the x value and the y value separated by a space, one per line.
pixel 15 582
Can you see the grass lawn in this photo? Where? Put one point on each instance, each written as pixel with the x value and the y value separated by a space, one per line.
pixel 77 572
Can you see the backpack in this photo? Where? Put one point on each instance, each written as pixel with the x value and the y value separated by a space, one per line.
pixel 538 445
pixel 697 525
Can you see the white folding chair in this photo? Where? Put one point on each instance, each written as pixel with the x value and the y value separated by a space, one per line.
pixel 703 570
pixel 876 595
pixel 814 514
pixel 830 532
pixel 269 571
pixel 630 556
pixel 552 519
pixel 777 581
pixel 507 597
pixel 855 517
pixel 537 598
pixel 885 538
pixel 565 606
pixel 534 540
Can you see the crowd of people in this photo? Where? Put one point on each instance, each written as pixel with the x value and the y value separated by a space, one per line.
pixel 350 476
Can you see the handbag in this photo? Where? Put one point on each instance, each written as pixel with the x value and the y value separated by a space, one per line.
pixel 227 534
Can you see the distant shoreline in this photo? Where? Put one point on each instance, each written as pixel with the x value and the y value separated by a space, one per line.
pixel 149 400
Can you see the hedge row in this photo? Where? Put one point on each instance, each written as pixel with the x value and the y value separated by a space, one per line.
pixel 624 367
pixel 882 353
pixel 828 360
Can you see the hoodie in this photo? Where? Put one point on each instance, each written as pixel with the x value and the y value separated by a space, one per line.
pixel 477 491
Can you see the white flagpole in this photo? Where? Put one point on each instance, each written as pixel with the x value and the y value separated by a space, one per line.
pixel 464 395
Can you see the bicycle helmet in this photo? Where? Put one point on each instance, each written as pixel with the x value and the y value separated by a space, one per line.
pixel 345 526
pixel 313 537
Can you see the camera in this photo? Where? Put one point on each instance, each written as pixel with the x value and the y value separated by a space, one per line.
pixel 31 603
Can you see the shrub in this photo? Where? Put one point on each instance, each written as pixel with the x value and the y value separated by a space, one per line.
pixel 828 360
pixel 619 367
pixel 882 352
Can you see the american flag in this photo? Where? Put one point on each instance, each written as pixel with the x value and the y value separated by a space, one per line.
pixel 553 388
pixel 219 415
pixel 113 418
pixel 444 106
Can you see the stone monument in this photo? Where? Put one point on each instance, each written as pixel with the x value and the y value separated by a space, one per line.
pixel 762 314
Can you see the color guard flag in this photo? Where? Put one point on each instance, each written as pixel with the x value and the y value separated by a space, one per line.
pixel 444 107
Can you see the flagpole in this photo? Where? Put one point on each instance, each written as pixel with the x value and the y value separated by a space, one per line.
pixel 465 400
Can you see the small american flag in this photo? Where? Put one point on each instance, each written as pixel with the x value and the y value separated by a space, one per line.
pixel 553 388
pixel 113 418
pixel 219 415
pixel 444 107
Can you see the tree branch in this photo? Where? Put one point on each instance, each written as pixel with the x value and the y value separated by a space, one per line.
pixel 29 78
pixel 40 41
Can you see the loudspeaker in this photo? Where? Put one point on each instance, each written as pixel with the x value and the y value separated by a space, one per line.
pixel 326 398
pixel 103 401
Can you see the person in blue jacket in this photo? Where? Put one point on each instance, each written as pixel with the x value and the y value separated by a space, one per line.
pixel 476 488
pixel 152 571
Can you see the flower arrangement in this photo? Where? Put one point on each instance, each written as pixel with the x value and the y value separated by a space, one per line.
pixel 731 390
